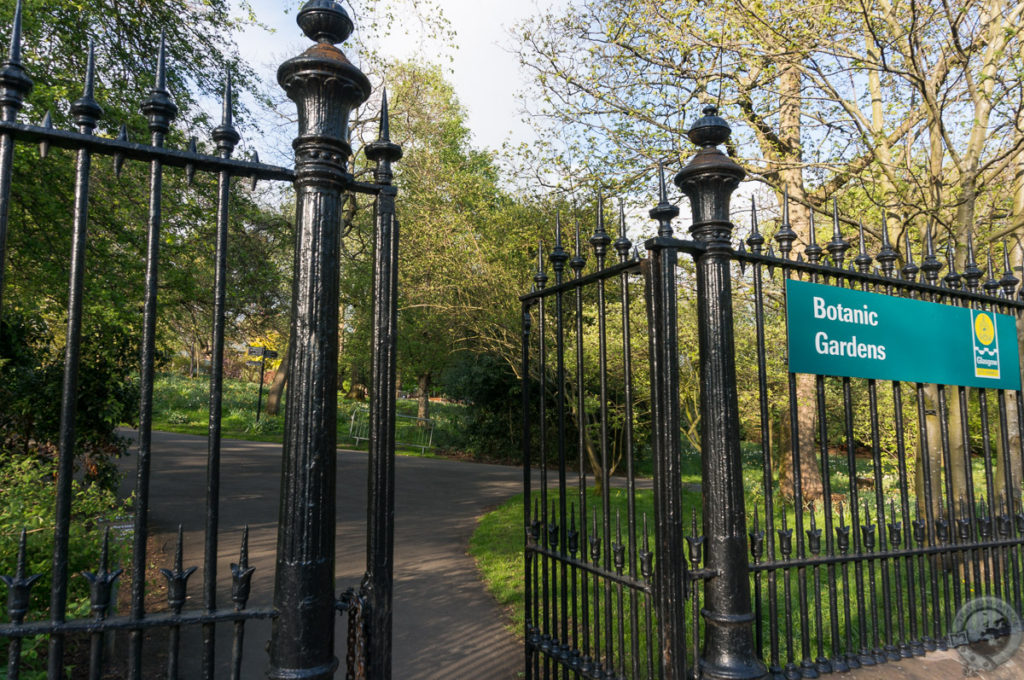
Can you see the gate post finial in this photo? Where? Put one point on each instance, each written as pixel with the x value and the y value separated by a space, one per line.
pixel 709 180
pixel 325 86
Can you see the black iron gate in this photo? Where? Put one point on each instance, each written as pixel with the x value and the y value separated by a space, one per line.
pixel 874 534
pixel 325 87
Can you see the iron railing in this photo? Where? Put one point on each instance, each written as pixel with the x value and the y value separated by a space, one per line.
pixel 776 574
pixel 325 87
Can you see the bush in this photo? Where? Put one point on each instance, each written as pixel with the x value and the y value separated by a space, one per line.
pixel 27 502
pixel 31 380
pixel 491 420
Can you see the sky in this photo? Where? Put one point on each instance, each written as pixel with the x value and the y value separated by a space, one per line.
pixel 485 74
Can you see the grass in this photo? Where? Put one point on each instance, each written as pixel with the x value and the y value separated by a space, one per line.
pixel 497 543
pixel 181 405
pixel 497 547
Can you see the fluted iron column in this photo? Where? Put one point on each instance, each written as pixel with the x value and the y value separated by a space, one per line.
pixel 325 86
pixel 709 180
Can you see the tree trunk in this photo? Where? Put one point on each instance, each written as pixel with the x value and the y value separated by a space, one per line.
pixel 933 439
pixel 357 388
pixel 423 397
pixel 959 454
pixel 276 390
pixel 790 112
pixel 811 485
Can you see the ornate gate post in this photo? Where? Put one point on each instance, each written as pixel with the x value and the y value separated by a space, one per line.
pixel 709 180
pixel 324 86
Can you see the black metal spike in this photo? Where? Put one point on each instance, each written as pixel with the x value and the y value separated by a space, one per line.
pixel 101 582
pixel 952 277
pixel 972 274
pixel 886 256
pixel 540 278
pixel 578 261
pixel 558 256
pixel 1008 282
pixel 984 520
pixel 1005 525
pixel 553 528
pixel 646 556
pixel 863 260
pixel 963 522
pixel 755 240
pixel 595 542
pixel 255 159
pixel 910 268
pixel 190 168
pixel 44 145
pixel 695 542
pixel 383 151
pixel 838 246
pixel 14 82
pixel 122 136
pixel 813 535
pixel 600 239
pixel 664 212
pixel 785 537
pixel 930 265
pixel 622 244
pixel 756 538
pixel 159 108
pixel 867 530
pixel 19 586
pixel 991 286
pixel 842 532
pixel 785 236
pixel 177 578
pixel 895 527
pixel 241 574
pixel 225 136
pixel 618 549
pixel 813 250
pixel 14 53
pixel 85 109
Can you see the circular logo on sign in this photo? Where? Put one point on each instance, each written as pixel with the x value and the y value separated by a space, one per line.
pixel 993 632
pixel 984 329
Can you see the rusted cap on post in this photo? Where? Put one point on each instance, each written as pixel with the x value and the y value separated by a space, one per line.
pixel 325 21
pixel 709 132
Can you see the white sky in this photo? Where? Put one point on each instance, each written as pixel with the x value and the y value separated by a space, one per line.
pixel 486 76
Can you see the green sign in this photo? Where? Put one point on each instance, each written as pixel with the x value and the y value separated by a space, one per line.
pixel 838 331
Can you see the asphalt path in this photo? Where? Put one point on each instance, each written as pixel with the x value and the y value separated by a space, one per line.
pixel 446 625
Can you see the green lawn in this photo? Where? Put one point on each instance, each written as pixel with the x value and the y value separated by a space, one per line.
pixel 181 404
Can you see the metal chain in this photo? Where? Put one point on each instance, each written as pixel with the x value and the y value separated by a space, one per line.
pixel 355 662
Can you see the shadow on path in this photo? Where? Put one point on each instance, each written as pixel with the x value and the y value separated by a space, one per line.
pixel 445 623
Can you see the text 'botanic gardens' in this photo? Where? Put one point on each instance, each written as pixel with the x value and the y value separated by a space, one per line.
pixel 838 331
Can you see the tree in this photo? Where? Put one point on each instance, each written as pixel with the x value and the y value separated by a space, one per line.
pixel 455 221
pixel 201 55
pixel 616 82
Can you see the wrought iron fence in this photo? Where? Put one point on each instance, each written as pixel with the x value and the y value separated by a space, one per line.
pixel 325 86
pixel 862 537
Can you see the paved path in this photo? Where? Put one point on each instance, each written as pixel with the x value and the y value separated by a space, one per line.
pixel 445 623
